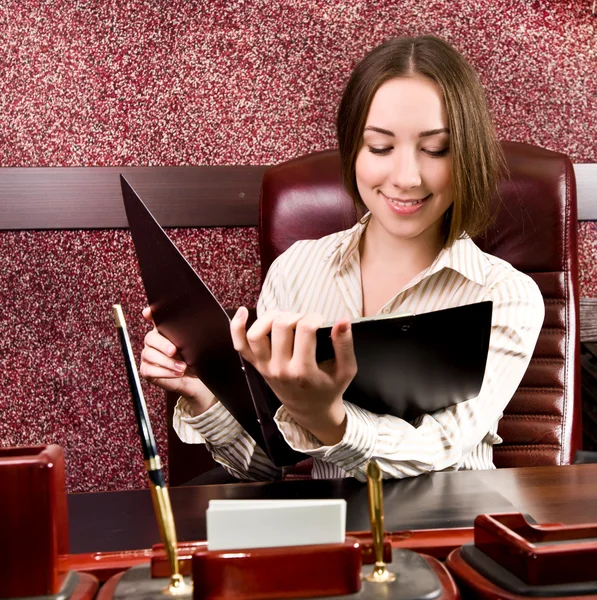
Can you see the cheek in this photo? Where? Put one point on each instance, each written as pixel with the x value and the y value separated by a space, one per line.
pixel 361 171
pixel 365 170
pixel 440 178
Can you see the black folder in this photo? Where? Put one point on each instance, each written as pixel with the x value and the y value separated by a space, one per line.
pixel 407 365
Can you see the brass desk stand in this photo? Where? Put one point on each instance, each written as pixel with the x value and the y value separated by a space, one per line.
pixel 380 573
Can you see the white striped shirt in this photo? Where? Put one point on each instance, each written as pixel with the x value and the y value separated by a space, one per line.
pixel 324 276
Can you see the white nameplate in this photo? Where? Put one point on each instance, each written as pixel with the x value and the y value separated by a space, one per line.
pixel 234 524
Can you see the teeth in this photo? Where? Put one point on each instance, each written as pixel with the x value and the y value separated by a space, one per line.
pixel 412 203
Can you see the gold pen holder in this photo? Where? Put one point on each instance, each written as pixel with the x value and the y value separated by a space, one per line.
pixel 165 518
pixel 380 573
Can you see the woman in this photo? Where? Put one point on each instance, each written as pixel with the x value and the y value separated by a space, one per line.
pixel 419 151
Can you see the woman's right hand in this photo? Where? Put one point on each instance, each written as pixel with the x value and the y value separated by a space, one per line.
pixel 161 365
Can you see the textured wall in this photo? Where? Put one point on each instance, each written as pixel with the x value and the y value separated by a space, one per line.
pixel 166 82
pixel 62 376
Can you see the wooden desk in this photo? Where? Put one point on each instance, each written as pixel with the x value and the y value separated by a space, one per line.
pixel 114 530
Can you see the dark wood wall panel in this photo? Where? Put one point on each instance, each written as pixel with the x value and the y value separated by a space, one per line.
pixel 204 196
pixel 90 198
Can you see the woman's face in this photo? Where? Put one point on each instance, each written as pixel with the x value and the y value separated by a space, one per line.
pixel 403 169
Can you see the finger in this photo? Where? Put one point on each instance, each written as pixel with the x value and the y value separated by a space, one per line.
pixel 147 314
pixel 176 385
pixel 154 339
pixel 257 337
pixel 159 359
pixel 282 338
pixel 238 332
pixel 346 362
pixel 153 372
pixel 305 340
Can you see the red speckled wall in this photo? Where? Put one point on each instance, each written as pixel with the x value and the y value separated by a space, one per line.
pixel 167 82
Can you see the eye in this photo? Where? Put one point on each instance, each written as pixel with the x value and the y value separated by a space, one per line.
pixel 377 150
pixel 437 153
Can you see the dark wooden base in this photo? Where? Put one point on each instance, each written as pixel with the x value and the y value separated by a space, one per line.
pixel 87 587
pixel 474 585
pixel 449 589
pixel 107 590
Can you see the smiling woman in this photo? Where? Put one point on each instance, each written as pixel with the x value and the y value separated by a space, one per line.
pixel 419 152
pixel 455 101
pixel 403 175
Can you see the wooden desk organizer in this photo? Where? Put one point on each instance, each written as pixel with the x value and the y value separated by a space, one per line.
pixel 511 559
pixel 292 572
pixel 538 555
pixel 285 572
pixel 161 568
pixel 33 521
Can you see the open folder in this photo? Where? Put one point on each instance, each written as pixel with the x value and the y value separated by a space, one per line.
pixel 407 365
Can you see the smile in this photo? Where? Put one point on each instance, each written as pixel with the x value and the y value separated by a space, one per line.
pixel 405 203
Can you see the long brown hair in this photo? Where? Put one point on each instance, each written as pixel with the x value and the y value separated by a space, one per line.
pixel 476 154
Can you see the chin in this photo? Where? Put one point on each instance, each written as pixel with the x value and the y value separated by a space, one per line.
pixel 405 233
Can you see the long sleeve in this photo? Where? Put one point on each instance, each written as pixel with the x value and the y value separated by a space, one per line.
pixel 229 444
pixel 460 436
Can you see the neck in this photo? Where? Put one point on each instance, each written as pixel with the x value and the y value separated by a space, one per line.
pixel 380 247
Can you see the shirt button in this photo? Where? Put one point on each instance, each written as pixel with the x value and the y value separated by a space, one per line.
pixel 385 311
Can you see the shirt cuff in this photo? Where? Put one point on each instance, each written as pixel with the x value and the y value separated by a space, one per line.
pixel 216 425
pixel 354 449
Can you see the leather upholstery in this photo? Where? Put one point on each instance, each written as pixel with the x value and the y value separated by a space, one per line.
pixel 535 230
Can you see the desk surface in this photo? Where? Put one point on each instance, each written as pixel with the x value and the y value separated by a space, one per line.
pixel 117 521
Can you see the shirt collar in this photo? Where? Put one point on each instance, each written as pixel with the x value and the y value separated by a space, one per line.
pixel 464 256
pixel 348 242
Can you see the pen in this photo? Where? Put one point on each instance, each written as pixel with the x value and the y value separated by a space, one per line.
pixel 153 465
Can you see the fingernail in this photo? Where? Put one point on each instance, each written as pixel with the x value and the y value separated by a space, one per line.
pixel 344 327
pixel 180 366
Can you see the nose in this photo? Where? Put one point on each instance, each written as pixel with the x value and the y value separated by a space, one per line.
pixel 405 173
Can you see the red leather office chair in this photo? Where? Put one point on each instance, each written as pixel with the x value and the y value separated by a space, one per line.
pixel 535 231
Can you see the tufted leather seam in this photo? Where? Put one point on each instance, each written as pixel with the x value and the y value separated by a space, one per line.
pixel 547 360
pixel 527 448
pixel 544 272
pixel 529 416
pixel 539 389
pixel 554 300
pixel 553 329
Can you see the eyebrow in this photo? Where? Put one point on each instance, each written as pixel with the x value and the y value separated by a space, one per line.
pixel 421 135
pixel 434 132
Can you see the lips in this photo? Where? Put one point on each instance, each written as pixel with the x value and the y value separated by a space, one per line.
pixel 406 202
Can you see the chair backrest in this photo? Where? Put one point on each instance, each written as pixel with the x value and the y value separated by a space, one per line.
pixel 535 231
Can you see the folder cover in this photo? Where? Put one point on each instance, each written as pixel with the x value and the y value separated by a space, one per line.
pixel 407 365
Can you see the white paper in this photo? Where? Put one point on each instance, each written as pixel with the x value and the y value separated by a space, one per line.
pixel 234 524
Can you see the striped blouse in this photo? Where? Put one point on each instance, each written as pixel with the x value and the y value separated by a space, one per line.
pixel 324 276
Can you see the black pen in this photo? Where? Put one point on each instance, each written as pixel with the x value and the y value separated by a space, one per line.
pixel 153 464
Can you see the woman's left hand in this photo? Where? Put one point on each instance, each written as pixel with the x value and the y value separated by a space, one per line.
pixel 281 346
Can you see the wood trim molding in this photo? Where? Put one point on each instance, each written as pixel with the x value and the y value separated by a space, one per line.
pixel 90 197
pixel 205 196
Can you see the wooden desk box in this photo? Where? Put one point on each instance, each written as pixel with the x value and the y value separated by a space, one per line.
pixel 33 521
